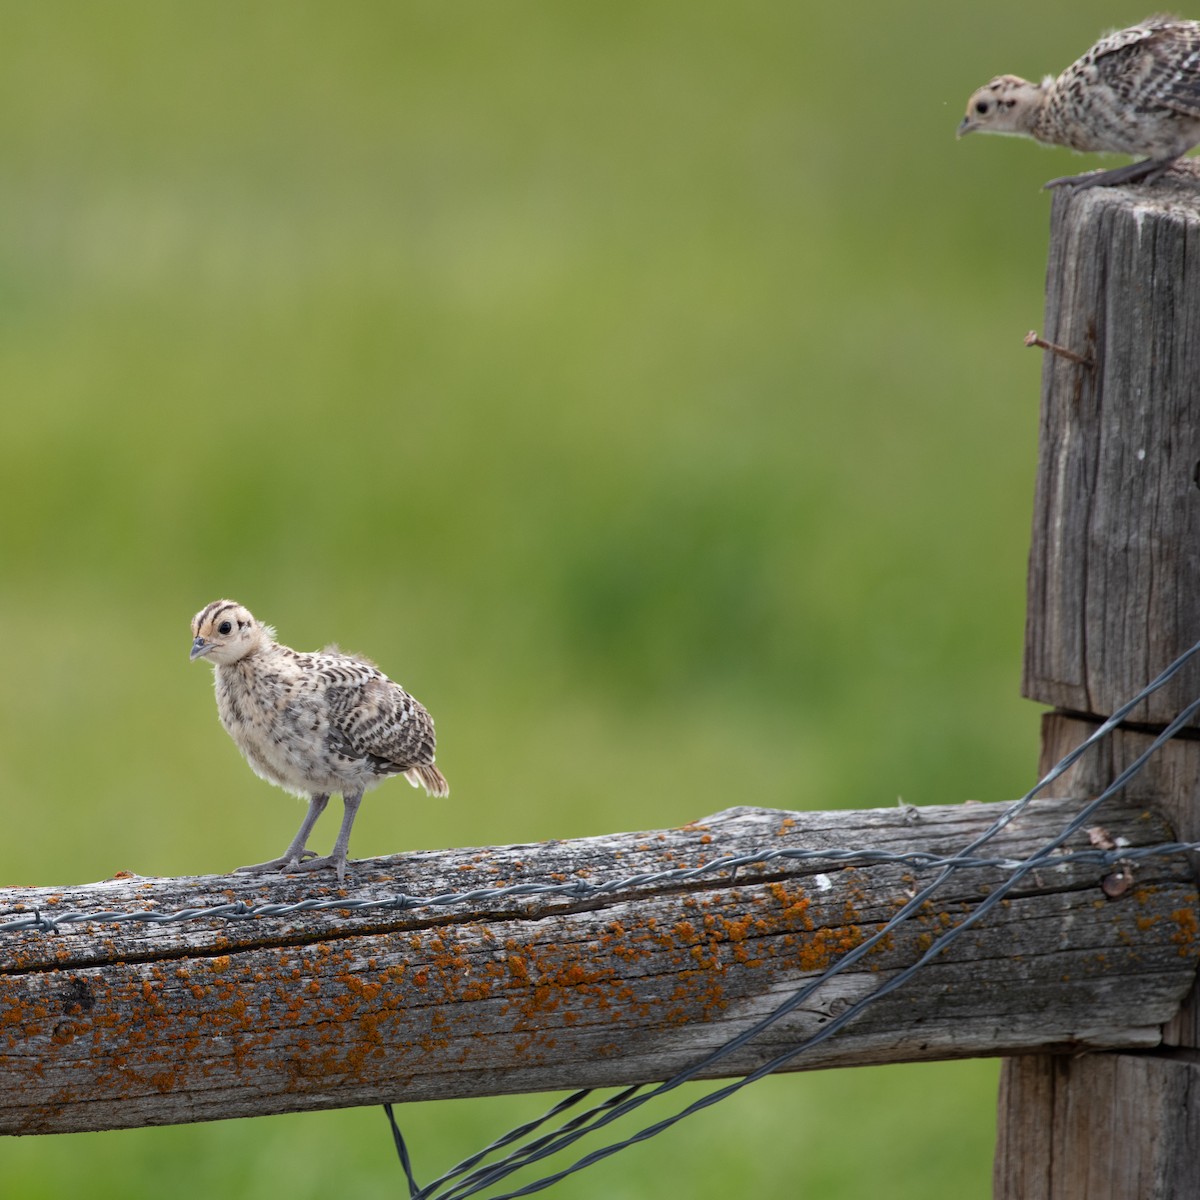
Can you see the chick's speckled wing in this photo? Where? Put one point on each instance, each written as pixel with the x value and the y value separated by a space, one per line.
pixel 1156 63
pixel 1122 39
pixel 1176 75
pixel 370 717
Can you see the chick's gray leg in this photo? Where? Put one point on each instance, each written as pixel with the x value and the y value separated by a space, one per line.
pixel 295 854
pixel 1146 171
pixel 337 858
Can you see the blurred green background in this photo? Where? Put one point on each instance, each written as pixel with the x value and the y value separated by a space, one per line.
pixel 641 384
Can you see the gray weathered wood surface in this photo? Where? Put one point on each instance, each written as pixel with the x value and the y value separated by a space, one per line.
pixel 1099 1127
pixel 1114 596
pixel 1109 1126
pixel 105 1026
pixel 1169 782
pixel 1117 511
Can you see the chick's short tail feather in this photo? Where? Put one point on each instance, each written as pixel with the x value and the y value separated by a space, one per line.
pixel 426 775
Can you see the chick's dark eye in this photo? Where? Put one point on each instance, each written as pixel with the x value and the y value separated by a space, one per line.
pixel 981 106
pixel 224 627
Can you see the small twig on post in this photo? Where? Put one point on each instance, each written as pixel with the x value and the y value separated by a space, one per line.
pixel 1032 339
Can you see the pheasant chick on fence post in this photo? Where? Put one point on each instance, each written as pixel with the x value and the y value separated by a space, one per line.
pixel 312 724
pixel 1136 91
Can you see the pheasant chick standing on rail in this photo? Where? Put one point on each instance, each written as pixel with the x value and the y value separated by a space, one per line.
pixel 312 724
pixel 1136 91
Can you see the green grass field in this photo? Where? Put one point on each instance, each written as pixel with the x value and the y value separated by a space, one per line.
pixel 640 384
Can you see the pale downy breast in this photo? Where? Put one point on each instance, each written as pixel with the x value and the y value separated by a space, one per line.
pixel 278 720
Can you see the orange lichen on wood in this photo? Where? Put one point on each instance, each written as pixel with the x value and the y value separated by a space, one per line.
pixel 1185 931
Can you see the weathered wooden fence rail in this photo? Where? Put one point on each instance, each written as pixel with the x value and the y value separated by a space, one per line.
pixel 115 1025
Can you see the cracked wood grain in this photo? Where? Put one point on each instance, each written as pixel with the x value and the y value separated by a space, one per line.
pixel 1114 566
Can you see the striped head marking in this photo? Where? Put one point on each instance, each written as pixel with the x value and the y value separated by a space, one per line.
pixel 224 632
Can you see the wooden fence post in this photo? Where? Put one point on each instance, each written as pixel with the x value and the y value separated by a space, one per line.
pixel 1114 597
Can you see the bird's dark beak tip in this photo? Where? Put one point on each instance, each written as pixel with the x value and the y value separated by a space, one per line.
pixel 198 648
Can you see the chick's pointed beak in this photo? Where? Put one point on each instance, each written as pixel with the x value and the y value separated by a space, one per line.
pixel 965 126
pixel 199 647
